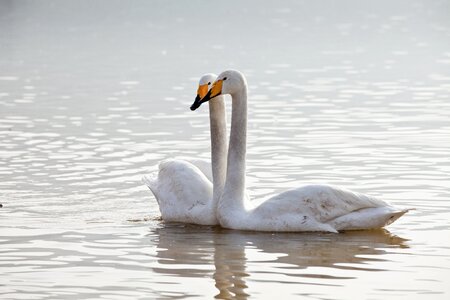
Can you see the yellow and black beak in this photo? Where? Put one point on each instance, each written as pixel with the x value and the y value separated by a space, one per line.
pixel 201 92
pixel 204 96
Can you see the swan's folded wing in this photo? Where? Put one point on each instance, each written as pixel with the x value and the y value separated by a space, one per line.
pixel 328 202
pixel 202 164
pixel 182 191
pixel 328 205
pixel 324 202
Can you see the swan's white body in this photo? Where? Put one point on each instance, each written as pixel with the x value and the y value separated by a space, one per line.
pixel 187 190
pixel 308 208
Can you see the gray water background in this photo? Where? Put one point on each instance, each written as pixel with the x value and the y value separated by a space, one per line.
pixel 94 93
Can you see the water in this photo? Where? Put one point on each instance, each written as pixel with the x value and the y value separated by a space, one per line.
pixel 93 94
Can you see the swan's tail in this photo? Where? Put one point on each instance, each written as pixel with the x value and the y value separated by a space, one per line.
pixel 151 181
pixel 368 218
pixel 396 214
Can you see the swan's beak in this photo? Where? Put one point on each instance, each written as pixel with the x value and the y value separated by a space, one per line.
pixel 197 103
pixel 201 92
pixel 215 91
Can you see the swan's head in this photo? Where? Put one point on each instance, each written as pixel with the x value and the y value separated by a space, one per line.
pixel 228 82
pixel 204 85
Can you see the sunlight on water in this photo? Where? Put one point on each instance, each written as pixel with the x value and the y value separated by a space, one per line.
pixel 355 95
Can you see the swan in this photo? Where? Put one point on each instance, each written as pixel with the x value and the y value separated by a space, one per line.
pixel 187 190
pixel 307 208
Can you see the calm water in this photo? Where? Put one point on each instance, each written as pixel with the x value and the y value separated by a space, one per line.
pixel 93 94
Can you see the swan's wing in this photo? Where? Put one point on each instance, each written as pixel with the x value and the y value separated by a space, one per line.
pixel 202 164
pixel 183 192
pixel 317 205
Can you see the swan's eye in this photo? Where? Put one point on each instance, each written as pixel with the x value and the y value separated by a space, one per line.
pixel 224 78
pixel 209 83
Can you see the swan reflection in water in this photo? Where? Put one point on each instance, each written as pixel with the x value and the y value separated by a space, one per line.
pixel 184 247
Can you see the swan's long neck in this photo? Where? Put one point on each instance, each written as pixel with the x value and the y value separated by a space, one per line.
pixel 233 196
pixel 218 124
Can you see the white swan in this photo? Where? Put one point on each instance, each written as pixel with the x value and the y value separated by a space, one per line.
pixel 307 208
pixel 183 187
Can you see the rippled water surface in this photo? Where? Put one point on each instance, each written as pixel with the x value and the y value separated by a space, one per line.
pixel 93 94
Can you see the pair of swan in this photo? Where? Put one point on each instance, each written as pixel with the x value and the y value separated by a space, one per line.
pixel 185 193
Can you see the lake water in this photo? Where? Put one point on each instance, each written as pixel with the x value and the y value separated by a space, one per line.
pixel 94 93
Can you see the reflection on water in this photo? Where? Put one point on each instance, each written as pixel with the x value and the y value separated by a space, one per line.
pixel 94 94
pixel 177 260
pixel 280 254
